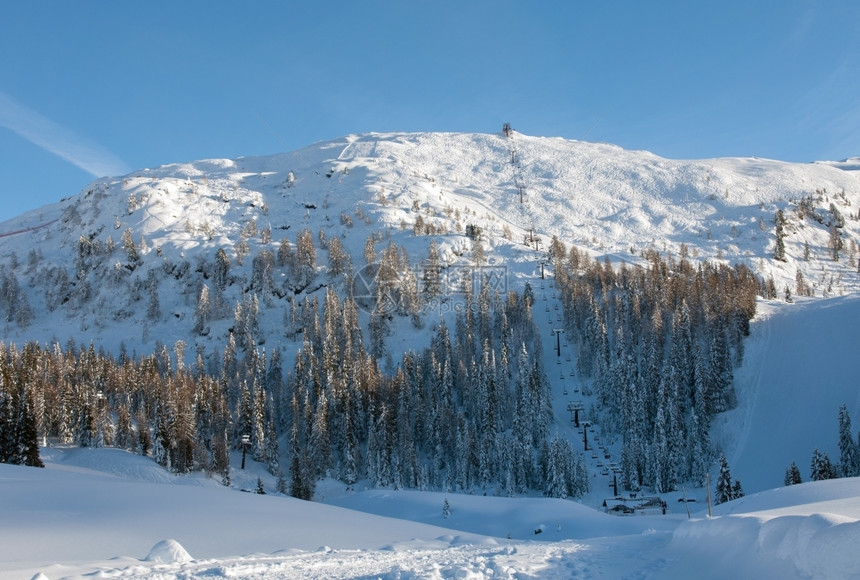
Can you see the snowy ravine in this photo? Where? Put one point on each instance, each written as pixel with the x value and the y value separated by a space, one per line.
pixel 121 266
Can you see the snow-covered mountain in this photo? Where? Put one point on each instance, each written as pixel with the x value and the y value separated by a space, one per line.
pixel 78 280
pixel 128 264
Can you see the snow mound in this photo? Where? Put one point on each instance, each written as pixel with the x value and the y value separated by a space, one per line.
pixel 806 530
pixel 39 576
pixel 168 552
pixel 817 545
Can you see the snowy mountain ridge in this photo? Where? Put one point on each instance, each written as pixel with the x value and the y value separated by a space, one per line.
pixel 605 200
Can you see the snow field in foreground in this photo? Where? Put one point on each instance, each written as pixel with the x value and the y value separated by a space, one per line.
pixel 71 520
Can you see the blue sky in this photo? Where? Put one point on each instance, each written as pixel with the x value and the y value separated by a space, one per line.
pixel 98 87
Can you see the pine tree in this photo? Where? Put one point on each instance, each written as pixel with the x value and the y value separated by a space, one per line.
pixel 130 249
pixel 725 489
pixel 262 275
pixel 319 443
pixel 378 327
pixel 301 484
pixel 338 259
pixel 203 312
pixel 834 242
pixel 800 284
pixel 221 271
pixel 737 490
pixel 153 311
pixel 479 255
pixel 849 455
pixel 28 435
pixel 125 437
pixel 555 477
pixel 792 475
pixel 144 436
pixel 431 275
pixel 221 454
pixel 302 264
pixel 370 257
pixel 779 251
pixel 285 253
pixel 821 467
pixel 23 311
pixel 699 443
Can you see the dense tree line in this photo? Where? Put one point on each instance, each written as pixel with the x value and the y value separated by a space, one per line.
pixel 470 412
pixel 659 343
pixel 656 344
pixel 21 407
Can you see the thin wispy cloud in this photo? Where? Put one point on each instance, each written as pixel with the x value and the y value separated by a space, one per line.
pixel 41 131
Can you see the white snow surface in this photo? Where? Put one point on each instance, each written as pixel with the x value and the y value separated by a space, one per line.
pixel 111 514
pixel 168 552
pixel 69 521
pixel 106 513
pixel 609 202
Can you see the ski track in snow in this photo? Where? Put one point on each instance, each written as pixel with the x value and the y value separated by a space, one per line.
pixel 761 328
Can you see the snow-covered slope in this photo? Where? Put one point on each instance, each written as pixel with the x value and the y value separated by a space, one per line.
pixel 99 512
pixel 604 199
pixel 68 266
pixel 800 367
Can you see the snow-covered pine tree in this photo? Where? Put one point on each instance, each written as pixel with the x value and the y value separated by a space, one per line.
pixel 792 475
pixel 262 275
pixel 285 253
pixel 203 312
pixel 849 455
pixel 821 467
pixel 301 483
pixel 130 249
pixel 431 273
pixel 338 258
pixel 378 327
pixel 779 248
pixel 556 470
pixel 724 489
pixel 737 490
pixel 221 271
pixel 319 451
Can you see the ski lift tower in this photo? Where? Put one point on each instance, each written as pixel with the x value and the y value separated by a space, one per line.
pixel 543 264
pixel 575 407
pixel 245 440
pixel 557 332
